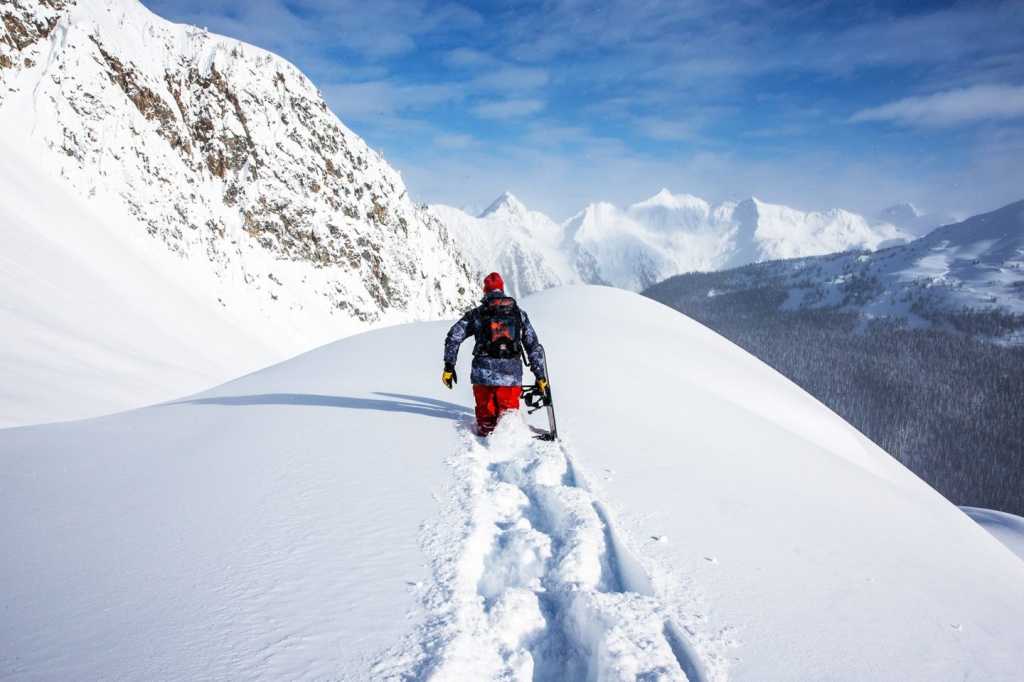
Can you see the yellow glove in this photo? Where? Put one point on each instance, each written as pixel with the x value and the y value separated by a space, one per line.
pixel 542 384
pixel 449 377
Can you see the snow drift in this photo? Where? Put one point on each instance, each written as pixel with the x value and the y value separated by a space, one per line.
pixel 332 517
pixel 1007 528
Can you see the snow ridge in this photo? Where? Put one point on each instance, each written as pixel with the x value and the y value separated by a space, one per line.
pixel 533 583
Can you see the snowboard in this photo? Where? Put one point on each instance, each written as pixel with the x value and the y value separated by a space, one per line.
pixel 535 400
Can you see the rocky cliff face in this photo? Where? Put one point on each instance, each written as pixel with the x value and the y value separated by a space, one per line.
pixel 229 157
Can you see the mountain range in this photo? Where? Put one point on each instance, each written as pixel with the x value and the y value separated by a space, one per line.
pixel 665 235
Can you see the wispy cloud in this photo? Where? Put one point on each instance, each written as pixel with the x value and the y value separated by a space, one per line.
pixel 511 79
pixel 508 108
pixel 454 141
pixel 950 108
pixel 367 100
pixel 665 130
pixel 468 57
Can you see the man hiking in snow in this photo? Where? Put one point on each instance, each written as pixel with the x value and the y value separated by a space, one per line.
pixel 501 330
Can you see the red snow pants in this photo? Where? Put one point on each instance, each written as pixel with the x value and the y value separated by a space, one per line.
pixel 492 402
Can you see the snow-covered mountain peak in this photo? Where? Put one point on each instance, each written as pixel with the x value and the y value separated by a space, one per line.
pixel 216 163
pixel 220 150
pixel 667 199
pixel 667 211
pixel 748 208
pixel 523 245
pixel 913 221
pixel 506 205
pixel 899 213
pixel 664 196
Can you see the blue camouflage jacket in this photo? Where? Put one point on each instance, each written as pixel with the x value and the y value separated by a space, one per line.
pixel 495 371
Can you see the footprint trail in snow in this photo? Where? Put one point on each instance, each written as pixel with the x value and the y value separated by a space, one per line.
pixel 532 582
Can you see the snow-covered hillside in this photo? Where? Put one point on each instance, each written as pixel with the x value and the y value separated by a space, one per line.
pixel 968 276
pixel 523 245
pixel 178 192
pixel 332 518
pixel 652 240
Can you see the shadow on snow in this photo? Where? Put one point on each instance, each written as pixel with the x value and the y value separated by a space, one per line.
pixel 412 404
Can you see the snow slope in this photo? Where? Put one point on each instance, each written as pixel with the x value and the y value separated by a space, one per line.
pixel 1007 528
pixel 217 175
pixel 96 320
pixel 332 517
pixel 652 240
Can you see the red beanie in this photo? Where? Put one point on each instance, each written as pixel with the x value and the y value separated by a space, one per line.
pixel 493 282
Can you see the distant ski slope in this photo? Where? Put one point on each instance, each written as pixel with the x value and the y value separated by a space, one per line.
pixel 331 518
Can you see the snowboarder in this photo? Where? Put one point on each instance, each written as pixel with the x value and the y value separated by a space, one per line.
pixel 502 331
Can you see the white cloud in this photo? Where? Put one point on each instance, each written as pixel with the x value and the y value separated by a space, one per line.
pixel 665 130
pixel 508 108
pixel 454 141
pixel 952 107
pixel 468 57
pixel 362 101
pixel 511 79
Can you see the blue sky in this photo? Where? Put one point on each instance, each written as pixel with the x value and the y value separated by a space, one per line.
pixel 564 102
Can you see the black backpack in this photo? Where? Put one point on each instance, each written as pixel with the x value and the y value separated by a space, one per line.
pixel 499 332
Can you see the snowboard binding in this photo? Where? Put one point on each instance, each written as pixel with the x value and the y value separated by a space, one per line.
pixel 536 399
